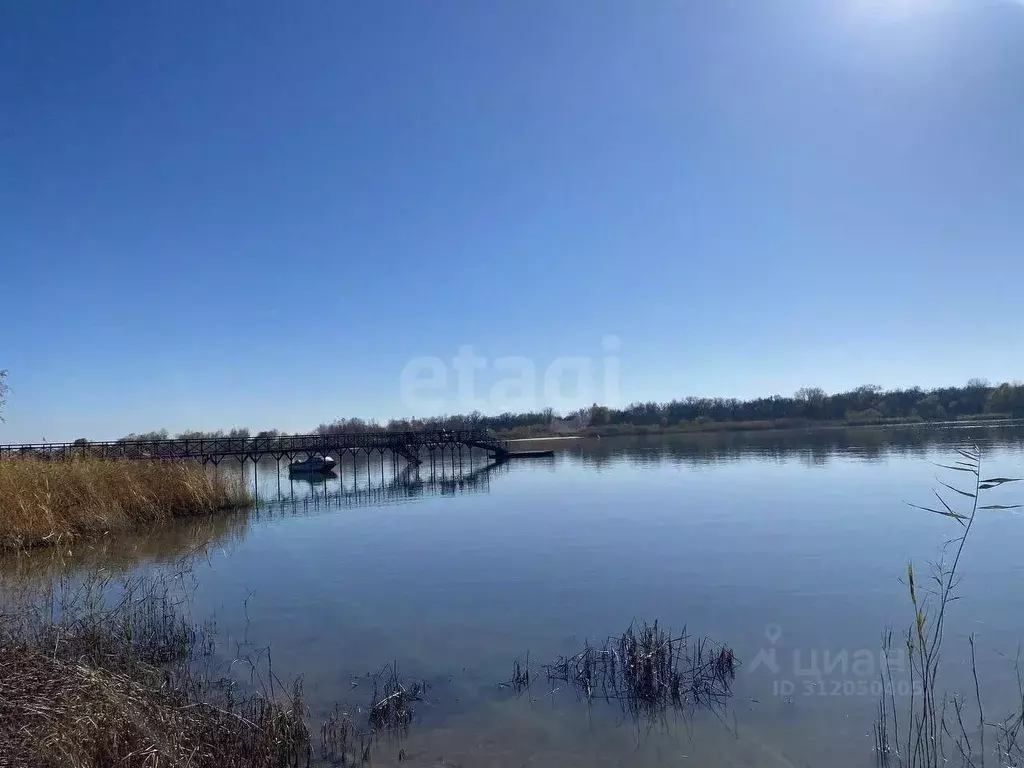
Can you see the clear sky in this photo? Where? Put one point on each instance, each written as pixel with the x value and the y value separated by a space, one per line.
pixel 217 214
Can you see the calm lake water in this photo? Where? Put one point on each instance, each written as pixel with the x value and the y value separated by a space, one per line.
pixel 788 547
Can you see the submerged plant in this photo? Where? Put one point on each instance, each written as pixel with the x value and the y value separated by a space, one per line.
pixel 393 698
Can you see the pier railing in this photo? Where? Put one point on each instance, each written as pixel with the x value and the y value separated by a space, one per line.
pixel 214 449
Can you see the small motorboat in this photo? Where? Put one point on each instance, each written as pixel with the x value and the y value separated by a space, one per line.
pixel 313 464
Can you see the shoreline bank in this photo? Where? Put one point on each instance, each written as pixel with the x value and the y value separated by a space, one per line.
pixel 713 428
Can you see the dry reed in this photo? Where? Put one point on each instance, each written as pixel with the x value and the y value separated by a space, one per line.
pixel 649 671
pixel 104 673
pixel 62 712
pixel 348 736
pixel 52 502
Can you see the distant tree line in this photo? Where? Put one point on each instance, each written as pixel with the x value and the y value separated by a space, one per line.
pixel 866 404
pixel 190 434
pixel 473 420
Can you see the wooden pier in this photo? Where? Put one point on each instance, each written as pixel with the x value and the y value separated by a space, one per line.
pixel 213 450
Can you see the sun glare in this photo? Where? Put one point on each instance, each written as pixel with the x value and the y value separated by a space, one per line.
pixel 889 10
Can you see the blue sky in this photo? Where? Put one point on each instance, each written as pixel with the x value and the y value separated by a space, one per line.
pixel 221 214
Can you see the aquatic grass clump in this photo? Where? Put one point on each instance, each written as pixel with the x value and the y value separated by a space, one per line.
pixel 52 502
pixel 348 737
pixel 393 697
pixel 343 742
pixel 648 671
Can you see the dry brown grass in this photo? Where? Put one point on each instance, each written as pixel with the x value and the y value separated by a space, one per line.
pixel 102 672
pixel 61 712
pixel 50 502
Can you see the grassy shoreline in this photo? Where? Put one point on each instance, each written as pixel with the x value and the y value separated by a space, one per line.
pixel 54 502
pixel 111 673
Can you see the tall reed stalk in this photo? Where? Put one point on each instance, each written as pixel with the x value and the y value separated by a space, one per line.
pixel 930 738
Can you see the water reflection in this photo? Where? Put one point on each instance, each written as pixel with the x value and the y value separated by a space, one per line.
pixel 330 489
pixel 813 447
pixel 163 544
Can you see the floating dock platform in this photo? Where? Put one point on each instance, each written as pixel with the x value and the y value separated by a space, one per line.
pixel 529 454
